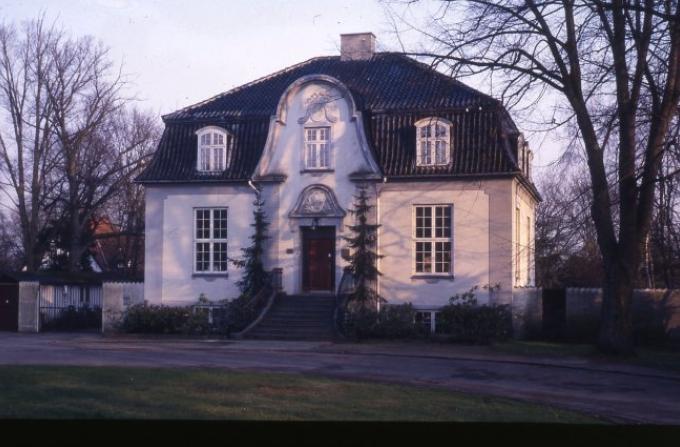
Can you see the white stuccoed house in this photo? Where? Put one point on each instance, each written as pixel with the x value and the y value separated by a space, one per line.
pixel 446 167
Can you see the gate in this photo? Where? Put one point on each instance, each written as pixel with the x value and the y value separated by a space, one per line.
pixel 70 307
pixel 9 306
pixel 554 313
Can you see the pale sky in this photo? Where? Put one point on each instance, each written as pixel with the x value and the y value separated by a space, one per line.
pixel 181 52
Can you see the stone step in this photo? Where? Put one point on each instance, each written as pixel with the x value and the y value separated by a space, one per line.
pixel 278 335
pixel 291 313
pixel 290 337
pixel 276 308
pixel 288 326
pixel 306 301
pixel 298 317
pixel 302 304
pixel 313 310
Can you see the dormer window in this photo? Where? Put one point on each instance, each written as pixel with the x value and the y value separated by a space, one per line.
pixel 214 144
pixel 433 142
pixel 317 148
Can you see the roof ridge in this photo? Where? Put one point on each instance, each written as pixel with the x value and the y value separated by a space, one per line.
pixel 246 85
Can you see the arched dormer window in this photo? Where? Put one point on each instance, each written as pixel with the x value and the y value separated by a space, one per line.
pixel 433 142
pixel 214 149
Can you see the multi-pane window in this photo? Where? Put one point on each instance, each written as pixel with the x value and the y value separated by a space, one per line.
pixel 432 239
pixel 433 142
pixel 210 240
pixel 213 149
pixel 317 148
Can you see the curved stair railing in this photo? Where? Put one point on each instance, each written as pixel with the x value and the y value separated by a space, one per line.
pixel 265 299
pixel 345 289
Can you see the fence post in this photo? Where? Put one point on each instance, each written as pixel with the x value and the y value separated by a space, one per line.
pixel 527 311
pixel 29 302
pixel 112 305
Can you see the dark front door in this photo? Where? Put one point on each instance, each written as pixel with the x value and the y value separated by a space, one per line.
pixel 9 307
pixel 318 258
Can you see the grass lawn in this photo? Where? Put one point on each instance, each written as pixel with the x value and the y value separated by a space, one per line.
pixel 165 393
pixel 667 358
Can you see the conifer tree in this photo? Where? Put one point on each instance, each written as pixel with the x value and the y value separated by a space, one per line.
pixel 254 276
pixel 362 244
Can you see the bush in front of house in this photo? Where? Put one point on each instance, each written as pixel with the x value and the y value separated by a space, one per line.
pixel 154 319
pixel 204 318
pixel 464 320
pixel 392 321
pixel 74 318
pixel 239 313
pixel 178 320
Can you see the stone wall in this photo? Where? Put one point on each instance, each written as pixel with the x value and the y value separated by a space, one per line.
pixel 117 297
pixel 29 319
pixel 656 313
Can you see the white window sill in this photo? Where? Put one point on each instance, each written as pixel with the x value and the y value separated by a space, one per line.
pixel 316 170
pixel 444 276
pixel 210 275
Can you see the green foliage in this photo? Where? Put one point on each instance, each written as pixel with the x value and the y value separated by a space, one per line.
pixel 465 321
pixel 205 318
pixel 362 244
pixel 240 312
pixel 154 319
pixel 160 319
pixel 74 318
pixel 254 278
pixel 393 321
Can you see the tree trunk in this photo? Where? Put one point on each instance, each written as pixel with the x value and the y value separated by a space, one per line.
pixel 616 331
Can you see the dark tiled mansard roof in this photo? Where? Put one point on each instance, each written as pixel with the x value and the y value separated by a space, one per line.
pixel 391 90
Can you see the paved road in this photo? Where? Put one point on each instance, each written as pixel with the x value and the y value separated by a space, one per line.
pixel 615 392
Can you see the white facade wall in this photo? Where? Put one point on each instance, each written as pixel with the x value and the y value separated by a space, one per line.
pixel 523 258
pixel 169 242
pixel 476 249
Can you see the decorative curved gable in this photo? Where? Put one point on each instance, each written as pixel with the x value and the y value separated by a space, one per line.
pixel 317 201
pixel 322 107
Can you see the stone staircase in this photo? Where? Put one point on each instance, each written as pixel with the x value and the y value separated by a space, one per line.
pixel 297 317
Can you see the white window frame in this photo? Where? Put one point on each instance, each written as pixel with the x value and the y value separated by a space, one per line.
pixel 432 140
pixel 306 166
pixel 433 239
pixel 222 149
pixel 211 240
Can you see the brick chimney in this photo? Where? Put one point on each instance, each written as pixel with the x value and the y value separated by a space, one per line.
pixel 357 46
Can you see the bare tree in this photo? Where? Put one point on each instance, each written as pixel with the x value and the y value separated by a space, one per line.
pixel 26 140
pixel 98 141
pixel 11 256
pixel 614 68
pixel 663 249
pixel 126 208
pixel 566 249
